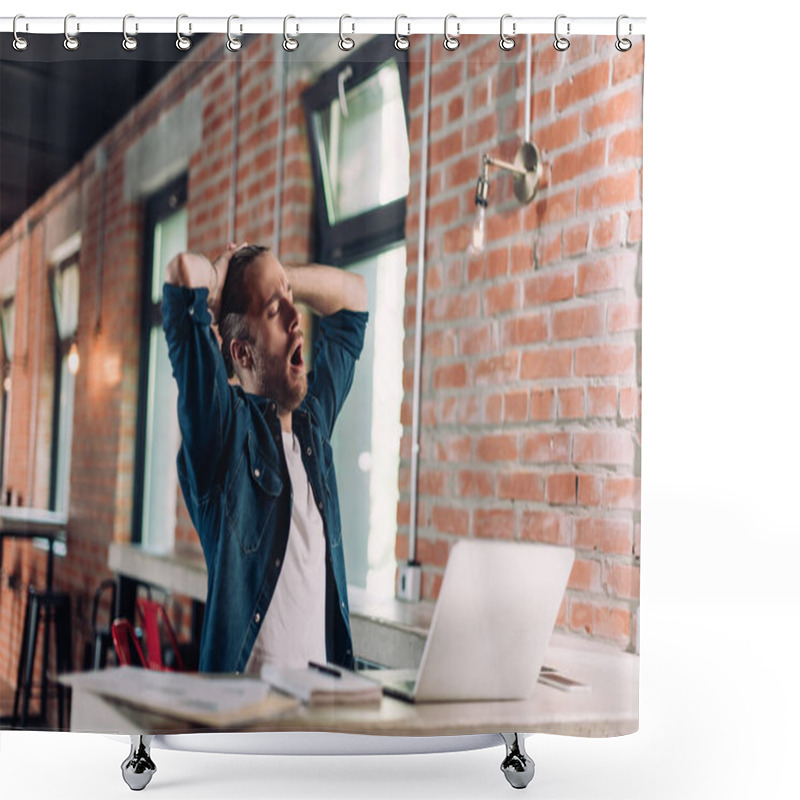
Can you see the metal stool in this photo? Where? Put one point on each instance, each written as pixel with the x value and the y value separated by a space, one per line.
pixel 55 606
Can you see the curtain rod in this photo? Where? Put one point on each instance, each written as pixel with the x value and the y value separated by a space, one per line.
pixel 297 26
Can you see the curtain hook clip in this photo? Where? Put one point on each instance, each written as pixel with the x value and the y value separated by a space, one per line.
pixel 20 42
pixel 561 43
pixel 70 42
pixel 234 43
pixel 290 43
pixel 182 42
pixel 345 42
pixel 506 41
pixel 451 42
pixel 129 42
pixel 400 42
pixel 623 45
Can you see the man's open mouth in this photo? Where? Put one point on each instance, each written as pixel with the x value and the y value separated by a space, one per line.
pixel 296 358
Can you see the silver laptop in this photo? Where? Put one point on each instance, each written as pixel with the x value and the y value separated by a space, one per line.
pixel 491 626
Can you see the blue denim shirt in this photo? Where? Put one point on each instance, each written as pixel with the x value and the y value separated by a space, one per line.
pixel 234 479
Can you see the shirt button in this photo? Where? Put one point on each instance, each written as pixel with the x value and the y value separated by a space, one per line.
pixel 258 617
pixel 319 505
pixel 308 451
pixel 277 562
pixel 257 473
pixel 342 603
pixel 191 311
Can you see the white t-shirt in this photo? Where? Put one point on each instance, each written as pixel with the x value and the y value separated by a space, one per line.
pixel 293 630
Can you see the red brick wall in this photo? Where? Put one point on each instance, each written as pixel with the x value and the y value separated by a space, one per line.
pixel 531 353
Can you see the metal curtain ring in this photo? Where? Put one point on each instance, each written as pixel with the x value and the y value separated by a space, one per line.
pixel 400 42
pixel 182 42
pixel 561 43
pixel 345 42
pixel 70 42
pixel 451 42
pixel 506 42
pixel 129 42
pixel 234 43
pixel 290 44
pixel 623 45
pixel 20 42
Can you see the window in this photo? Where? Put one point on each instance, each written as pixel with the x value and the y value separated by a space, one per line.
pixel 7 331
pixel 158 434
pixel 65 290
pixel 357 121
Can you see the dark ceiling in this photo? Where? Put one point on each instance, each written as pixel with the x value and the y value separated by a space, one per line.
pixel 55 104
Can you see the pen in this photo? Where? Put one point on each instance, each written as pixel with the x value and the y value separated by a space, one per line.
pixel 323 668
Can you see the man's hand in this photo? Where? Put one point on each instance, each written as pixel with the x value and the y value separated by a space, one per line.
pixel 195 271
pixel 327 290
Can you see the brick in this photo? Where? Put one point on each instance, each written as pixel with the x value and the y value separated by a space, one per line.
pixel 585 84
pixel 515 406
pixel 447 308
pixel 545 526
pixel 501 298
pixel 608 192
pixel 624 146
pixel 545 448
pixel 585 576
pixel 433 552
pixel 475 483
pixel 609 536
pixel 571 403
pixel 452 376
pixel 630 403
pixel 624 317
pixel 497 447
pixel 475 340
pixel 547 249
pixel 635 226
pixel 549 286
pixel 550 209
pixel 590 490
pixel 497 370
pixel 608 232
pixel 450 520
pixel 601 401
pixel 559 134
pixel 494 524
pixel 543 402
pixel 578 161
pixel 520 485
pixel 447 78
pixel 603 447
pixel 603 359
pixel 626 65
pixel 576 240
pixel 578 323
pixel 521 258
pixel 546 364
pixel 529 329
pixel 600 620
pixel 621 580
pixel 613 111
pixel 435 482
pixel 560 488
pixel 622 493
pixel 454 449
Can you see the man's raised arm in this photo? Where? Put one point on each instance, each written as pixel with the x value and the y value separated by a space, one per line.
pixel 327 290
pixel 194 271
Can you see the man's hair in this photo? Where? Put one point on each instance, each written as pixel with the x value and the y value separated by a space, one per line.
pixel 235 300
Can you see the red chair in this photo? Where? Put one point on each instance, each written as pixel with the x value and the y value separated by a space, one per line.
pixel 155 624
pixel 122 634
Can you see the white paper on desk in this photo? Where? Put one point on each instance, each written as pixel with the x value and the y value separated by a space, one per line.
pixel 319 688
pixel 203 699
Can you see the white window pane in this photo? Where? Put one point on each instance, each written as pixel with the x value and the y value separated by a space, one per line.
pixel 169 240
pixel 366 440
pixel 364 155
pixel 7 321
pixel 66 408
pixel 66 288
pixel 163 441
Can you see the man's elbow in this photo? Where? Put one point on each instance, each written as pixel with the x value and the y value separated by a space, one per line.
pixel 176 270
pixel 360 299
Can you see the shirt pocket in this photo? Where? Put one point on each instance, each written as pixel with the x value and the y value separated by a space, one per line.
pixel 251 498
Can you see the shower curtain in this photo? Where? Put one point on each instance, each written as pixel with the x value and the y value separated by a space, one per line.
pixel 491 201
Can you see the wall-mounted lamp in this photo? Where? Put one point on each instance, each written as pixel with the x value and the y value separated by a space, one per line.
pixel 73 358
pixel 527 171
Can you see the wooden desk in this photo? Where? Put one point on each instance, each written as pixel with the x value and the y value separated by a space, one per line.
pixel 609 709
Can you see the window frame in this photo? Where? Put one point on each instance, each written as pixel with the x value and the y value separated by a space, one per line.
pixel 5 374
pixel 344 242
pixel 158 207
pixel 62 347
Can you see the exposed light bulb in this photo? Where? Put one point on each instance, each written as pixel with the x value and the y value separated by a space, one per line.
pixel 73 359
pixel 7 383
pixel 476 245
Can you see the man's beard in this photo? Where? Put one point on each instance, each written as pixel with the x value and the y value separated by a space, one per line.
pixel 274 379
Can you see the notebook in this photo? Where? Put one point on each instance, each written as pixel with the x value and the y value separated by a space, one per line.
pixel 491 625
